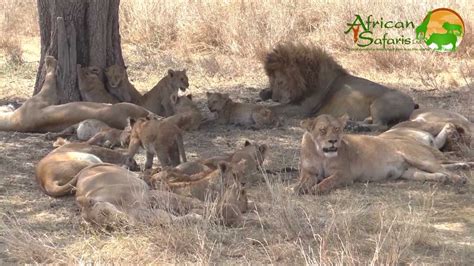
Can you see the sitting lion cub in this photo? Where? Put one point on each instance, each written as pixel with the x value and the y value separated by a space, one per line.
pixel 120 86
pixel 331 159
pixel 91 87
pixel 160 138
pixel 244 114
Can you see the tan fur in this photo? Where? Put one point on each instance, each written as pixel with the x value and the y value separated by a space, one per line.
pixel 334 159
pixel 91 87
pixel 253 154
pixel 41 114
pixel 110 195
pixel 119 85
pixel 307 81
pixel 187 115
pixel 160 138
pixel 111 138
pixel 434 121
pixel 83 130
pixel 244 114
pixel 222 184
pixel 157 100
pixel 56 172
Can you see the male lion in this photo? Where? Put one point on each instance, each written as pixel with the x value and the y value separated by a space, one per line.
pixel 160 138
pixel 41 114
pixel 244 114
pixel 331 159
pixel 307 81
pixel 120 86
pixel 111 195
pixel 56 172
pixel 91 87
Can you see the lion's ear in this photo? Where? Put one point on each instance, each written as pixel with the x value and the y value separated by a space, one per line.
pixel 343 119
pixel 263 149
pixel 125 66
pixel 131 121
pixel 307 124
pixel 247 143
pixel 223 166
pixel 184 71
pixel 170 73
pixel 190 96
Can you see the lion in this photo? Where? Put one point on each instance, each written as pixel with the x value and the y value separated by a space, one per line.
pixel 187 115
pixel 243 114
pixel 110 195
pixel 91 87
pixel 41 114
pixel 253 154
pixel 56 172
pixel 83 130
pixel 223 185
pixel 158 99
pixel 119 85
pixel 434 121
pixel 330 159
pixel 307 81
pixel 161 138
pixel 111 138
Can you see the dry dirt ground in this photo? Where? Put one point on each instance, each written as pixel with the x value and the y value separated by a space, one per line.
pixel 404 222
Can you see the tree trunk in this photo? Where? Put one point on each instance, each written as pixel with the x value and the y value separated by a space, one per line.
pixel 82 32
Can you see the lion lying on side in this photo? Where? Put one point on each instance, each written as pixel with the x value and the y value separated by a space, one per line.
pixel 243 114
pixel 41 114
pixel 331 159
pixel 434 121
pixel 110 195
pixel 193 179
pixel 56 172
pixel 307 81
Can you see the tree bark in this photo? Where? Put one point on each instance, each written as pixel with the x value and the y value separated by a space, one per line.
pixel 75 32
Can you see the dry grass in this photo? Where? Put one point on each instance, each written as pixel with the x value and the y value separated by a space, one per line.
pixel 220 42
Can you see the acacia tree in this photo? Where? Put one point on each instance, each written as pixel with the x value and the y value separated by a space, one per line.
pixel 82 32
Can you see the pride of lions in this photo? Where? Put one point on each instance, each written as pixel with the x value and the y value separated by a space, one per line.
pixel 303 79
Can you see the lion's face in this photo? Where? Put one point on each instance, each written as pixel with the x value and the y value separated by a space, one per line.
pixel 179 79
pixel 259 152
pixel 232 173
pixel 216 101
pixel 115 74
pixel 90 73
pixel 326 132
pixel 280 85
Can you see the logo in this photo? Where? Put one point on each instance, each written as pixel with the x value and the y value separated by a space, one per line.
pixel 442 30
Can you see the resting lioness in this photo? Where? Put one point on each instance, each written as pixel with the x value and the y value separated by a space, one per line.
pixel 334 159
pixel 111 195
pixel 40 114
pixel 160 138
pixel 434 121
pixel 243 114
pixel 91 87
pixel 56 172
pixel 307 81
pixel 187 115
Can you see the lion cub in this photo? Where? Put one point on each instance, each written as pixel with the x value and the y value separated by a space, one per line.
pixel 244 114
pixel 120 86
pixel 186 114
pixel 157 137
pixel 91 87
pixel 330 159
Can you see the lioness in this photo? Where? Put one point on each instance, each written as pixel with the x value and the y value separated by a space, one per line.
pixel 158 99
pixel 434 121
pixel 186 114
pixel 120 86
pixel 40 114
pixel 334 159
pixel 160 138
pixel 56 172
pixel 307 81
pixel 111 195
pixel 244 114
pixel 91 87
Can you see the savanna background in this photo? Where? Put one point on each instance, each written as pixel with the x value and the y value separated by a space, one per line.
pixel 221 44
